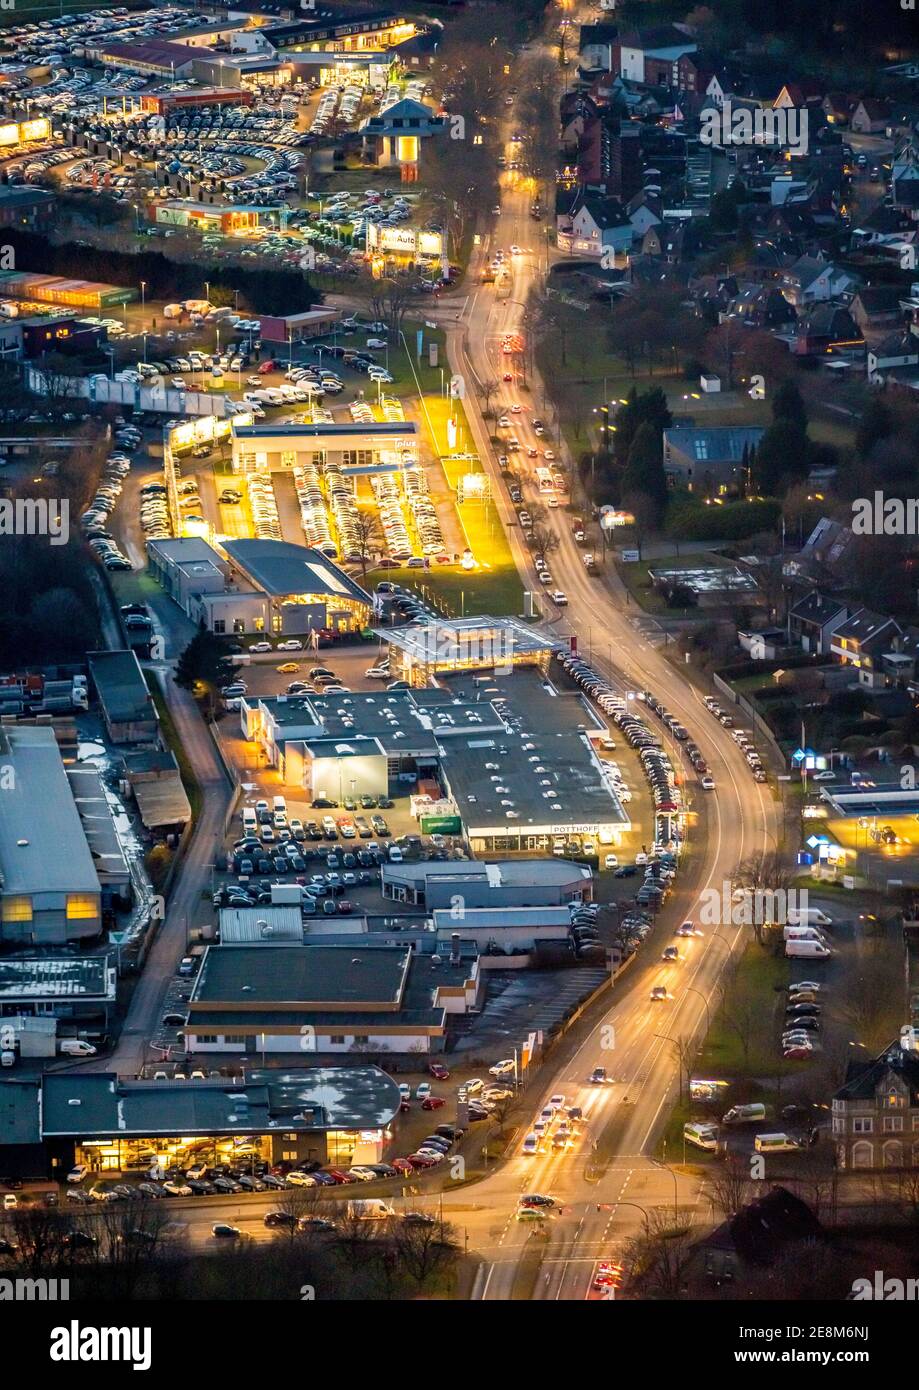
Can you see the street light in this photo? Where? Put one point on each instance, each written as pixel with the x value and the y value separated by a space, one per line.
pixel 662 1163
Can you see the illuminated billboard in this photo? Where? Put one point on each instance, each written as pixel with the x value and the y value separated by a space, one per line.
pixel 16 133
pixel 404 241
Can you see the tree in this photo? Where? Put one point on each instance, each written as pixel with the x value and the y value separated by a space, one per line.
pixel 656 1261
pixel 644 469
pixel 876 423
pixel 788 406
pixel 781 459
pixel 369 540
pixel 730 1185
pixel 647 408
pixel 424 1250
pixel 204 660
pixel 724 214
pixel 544 540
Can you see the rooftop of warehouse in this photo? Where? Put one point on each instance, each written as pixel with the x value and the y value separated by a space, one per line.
pixel 120 685
pixel 501 873
pixel 280 568
pixel 539 765
pixel 57 977
pixel 488 641
pixel 101 1103
pixel 43 846
pixel 314 976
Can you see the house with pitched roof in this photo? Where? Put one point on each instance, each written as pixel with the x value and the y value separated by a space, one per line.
pixel 875 1114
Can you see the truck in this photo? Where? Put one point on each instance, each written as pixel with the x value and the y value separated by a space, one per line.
pixel 590 563
pixel 577 530
pixel 288 894
pixel 370 1209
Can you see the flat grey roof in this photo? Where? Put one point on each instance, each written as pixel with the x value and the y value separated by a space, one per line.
pixel 499 918
pixel 95 814
pixel 314 1098
pixel 384 429
pixel 121 686
pixel 486 641
pixel 280 568
pixel 77 978
pixel 539 767
pixel 43 848
pixel 240 924
pixel 315 976
pixel 500 873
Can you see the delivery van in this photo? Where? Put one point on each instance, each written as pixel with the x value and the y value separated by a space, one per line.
pixel 807 917
pixel 744 1114
pixel 775 1144
pixel 279 803
pixel 250 820
pixel 370 1209
pixel 790 933
pixel 703 1136
pixel 807 950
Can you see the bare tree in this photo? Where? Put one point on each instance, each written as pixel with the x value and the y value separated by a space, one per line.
pixel 544 541
pixel 424 1250
pixel 368 536
pixel 656 1261
pixel 731 1185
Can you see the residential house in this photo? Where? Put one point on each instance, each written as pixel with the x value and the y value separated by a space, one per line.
pixel 710 461
pixel 837 108
pixel 648 55
pixel 762 306
pixel 870 117
pixel 597 227
pixel 827 327
pixel 644 211
pixel 814 619
pixel 861 641
pixel 900 349
pixel 757 1235
pixel 904 177
pixel 877 306
pixel 815 280
pixel 875 1115
pixel 598 48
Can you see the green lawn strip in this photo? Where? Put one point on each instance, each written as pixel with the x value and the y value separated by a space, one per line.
pixel 759 978
pixel 171 735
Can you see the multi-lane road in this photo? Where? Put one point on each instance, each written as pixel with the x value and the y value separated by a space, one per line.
pixel 738 818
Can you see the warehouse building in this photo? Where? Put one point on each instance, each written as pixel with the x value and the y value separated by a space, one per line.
pixel 355 448
pixel 326 999
pixel 497 884
pixel 336 1115
pixel 127 705
pixel 58 289
pixel 50 892
pixel 304 590
pixel 78 988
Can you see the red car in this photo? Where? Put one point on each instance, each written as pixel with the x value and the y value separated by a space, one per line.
pixel 608 1275
pixel 798 1054
pixel 438 1071
pixel 345 906
pixel 433 1103
pixel 402 1165
pixel 405 1107
pixel 422 1161
pixel 338 1176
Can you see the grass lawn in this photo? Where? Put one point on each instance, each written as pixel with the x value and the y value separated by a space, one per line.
pixel 457 592
pixel 753 994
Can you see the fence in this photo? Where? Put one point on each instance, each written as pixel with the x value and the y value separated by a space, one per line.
pixel 756 719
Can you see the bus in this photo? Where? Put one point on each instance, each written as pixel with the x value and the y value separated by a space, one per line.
pixel 544 480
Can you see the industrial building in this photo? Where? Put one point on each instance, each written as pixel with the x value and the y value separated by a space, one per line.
pixel 326 999
pixel 58 289
pixel 337 1115
pixel 127 705
pixel 487 885
pixel 80 989
pixel 380 447
pixel 50 892
pixel 258 586
pixel 515 760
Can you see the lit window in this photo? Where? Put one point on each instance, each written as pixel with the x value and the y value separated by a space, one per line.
pixel 82 906
pixel 17 910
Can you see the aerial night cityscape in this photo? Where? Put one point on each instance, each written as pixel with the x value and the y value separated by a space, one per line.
pixel 459 669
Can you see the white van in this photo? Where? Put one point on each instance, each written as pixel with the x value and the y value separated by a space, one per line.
pixel 808 950
pixel 278 803
pixel 803 934
pixel 744 1114
pixel 775 1144
pixel 76 1047
pixel 703 1136
pixel 250 819
pixel 807 917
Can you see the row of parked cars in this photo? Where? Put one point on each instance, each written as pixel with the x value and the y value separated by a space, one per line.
pixel 94 520
pixel 262 501
pixel 753 760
